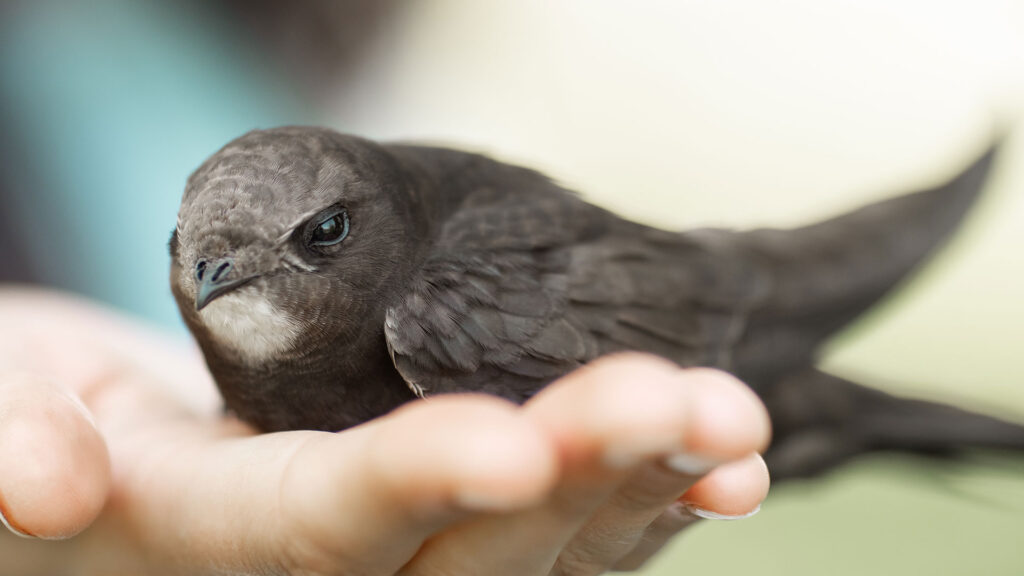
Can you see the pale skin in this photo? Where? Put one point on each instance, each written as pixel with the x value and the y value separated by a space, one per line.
pixel 110 441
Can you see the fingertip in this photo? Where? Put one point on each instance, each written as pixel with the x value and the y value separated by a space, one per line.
pixel 732 490
pixel 54 464
pixel 727 419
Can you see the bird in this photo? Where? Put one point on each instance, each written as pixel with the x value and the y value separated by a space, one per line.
pixel 329 279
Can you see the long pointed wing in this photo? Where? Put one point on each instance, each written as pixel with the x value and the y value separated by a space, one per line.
pixel 826 274
pixel 523 289
pixel 820 421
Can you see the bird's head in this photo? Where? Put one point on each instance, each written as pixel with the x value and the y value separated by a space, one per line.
pixel 291 235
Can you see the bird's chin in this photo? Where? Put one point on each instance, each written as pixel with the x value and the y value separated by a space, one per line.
pixel 247 323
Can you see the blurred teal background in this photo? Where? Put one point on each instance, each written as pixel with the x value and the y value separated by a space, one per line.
pixel 735 113
pixel 113 104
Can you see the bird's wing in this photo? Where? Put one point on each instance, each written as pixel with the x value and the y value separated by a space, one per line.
pixel 488 310
pixel 522 290
pixel 825 275
pixel 820 421
pixel 488 322
pixel 510 321
pixel 661 292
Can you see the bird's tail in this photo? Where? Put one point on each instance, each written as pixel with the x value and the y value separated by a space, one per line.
pixel 826 274
pixel 822 421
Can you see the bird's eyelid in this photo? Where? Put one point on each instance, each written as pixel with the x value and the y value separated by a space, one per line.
pixel 290 229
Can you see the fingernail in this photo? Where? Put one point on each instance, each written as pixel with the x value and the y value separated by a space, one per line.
pixel 708 514
pixel 9 526
pixel 690 464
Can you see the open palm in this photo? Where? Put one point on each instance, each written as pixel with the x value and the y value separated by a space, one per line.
pixel 596 472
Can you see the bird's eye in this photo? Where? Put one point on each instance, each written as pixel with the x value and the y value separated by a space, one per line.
pixel 330 230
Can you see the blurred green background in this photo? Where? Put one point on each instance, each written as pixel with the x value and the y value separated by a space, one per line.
pixel 735 113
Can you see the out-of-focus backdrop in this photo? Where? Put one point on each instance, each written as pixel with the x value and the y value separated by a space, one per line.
pixel 677 113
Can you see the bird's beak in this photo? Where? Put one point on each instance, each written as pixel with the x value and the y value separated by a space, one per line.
pixel 209 291
pixel 213 280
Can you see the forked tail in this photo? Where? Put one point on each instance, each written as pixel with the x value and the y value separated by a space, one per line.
pixel 822 421
pixel 824 275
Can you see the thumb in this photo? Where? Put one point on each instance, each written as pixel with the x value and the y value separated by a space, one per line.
pixel 54 465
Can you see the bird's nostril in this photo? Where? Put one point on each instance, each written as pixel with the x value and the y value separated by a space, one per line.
pixel 200 269
pixel 222 269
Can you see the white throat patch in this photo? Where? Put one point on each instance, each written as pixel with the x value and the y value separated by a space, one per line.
pixel 249 324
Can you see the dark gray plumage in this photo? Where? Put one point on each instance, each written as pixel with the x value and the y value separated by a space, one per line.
pixel 329 279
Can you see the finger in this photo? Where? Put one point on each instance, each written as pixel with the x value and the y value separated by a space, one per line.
pixel 725 419
pixel 605 420
pixel 374 494
pixel 730 492
pixel 54 465
pixel 357 502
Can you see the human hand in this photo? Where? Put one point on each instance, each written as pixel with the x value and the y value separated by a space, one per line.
pixel 574 482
